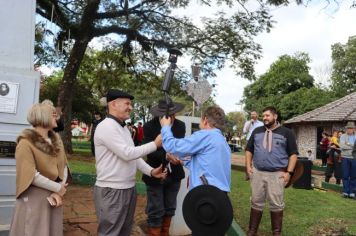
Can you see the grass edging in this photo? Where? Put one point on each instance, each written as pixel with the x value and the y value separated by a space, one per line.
pixel 235 230
pixel 319 168
pixel 329 186
pixel 89 180
pixel 83 179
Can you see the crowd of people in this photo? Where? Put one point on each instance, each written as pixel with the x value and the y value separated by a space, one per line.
pixel 338 154
pixel 271 156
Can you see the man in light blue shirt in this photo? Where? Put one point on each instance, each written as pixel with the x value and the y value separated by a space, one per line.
pixel 252 124
pixel 210 154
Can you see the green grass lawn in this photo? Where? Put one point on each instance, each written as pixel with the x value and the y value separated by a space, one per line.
pixel 307 212
pixel 83 162
pixel 80 151
pixel 77 166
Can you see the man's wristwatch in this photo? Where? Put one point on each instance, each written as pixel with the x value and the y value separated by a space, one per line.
pixel 291 173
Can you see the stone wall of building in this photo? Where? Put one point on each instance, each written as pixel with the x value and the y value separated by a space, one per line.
pixel 306 135
pixel 306 139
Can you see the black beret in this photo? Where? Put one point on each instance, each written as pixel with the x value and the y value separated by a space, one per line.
pixel 115 93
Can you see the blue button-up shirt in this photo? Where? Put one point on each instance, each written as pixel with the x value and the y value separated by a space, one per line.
pixel 210 156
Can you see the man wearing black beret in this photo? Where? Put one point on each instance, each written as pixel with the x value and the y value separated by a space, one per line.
pixel 117 160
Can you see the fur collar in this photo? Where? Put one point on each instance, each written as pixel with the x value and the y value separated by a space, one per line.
pixel 39 142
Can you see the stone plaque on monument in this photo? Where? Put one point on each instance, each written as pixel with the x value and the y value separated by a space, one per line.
pixel 19 89
pixel 8 96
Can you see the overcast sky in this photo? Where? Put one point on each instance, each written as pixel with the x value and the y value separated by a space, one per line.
pixel 310 29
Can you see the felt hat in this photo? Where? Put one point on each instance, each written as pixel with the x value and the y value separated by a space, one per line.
pixel 113 94
pixel 350 124
pixel 207 211
pixel 161 108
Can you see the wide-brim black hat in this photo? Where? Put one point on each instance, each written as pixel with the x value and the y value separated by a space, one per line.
pixel 207 211
pixel 161 108
pixel 298 172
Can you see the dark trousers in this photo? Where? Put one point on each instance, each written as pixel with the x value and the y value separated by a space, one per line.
pixel 92 147
pixel 161 201
pixel 348 175
pixel 333 167
pixel 324 156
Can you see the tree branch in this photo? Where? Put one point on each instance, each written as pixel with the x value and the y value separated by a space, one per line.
pixel 131 34
pixel 114 14
pixel 61 20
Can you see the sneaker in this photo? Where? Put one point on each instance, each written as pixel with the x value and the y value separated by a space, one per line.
pixel 352 195
pixel 345 195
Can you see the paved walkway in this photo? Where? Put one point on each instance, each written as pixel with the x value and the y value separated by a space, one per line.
pixel 237 159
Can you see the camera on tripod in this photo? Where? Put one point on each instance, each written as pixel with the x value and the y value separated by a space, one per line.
pixel 168 77
pixel 173 55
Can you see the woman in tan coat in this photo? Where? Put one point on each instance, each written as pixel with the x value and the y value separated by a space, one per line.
pixel 41 175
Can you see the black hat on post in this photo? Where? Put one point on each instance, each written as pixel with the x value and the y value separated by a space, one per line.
pixel 207 211
pixel 113 94
pixel 161 108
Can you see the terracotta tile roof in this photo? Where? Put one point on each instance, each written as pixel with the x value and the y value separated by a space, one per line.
pixel 343 109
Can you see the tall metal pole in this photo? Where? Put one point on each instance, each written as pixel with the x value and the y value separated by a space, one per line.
pixel 195 74
pixel 193 109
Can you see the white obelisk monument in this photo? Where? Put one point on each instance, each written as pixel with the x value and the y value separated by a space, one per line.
pixel 19 89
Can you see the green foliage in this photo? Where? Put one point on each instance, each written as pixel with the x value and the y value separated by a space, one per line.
pixel 50 86
pixel 44 53
pixel 107 68
pixel 236 119
pixel 344 67
pixel 287 74
pixel 288 86
pixel 145 29
pixel 154 25
pixel 84 103
pixel 77 166
pixel 304 100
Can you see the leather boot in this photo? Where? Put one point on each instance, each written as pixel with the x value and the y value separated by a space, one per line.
pixel 255 219
pixel 166 223
pixel 276 221
pixel 153 231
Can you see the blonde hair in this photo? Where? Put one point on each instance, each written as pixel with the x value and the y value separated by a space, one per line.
pixel 41 115
pixel 48 102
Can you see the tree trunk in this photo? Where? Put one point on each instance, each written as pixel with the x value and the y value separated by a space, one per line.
pixel 65 95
